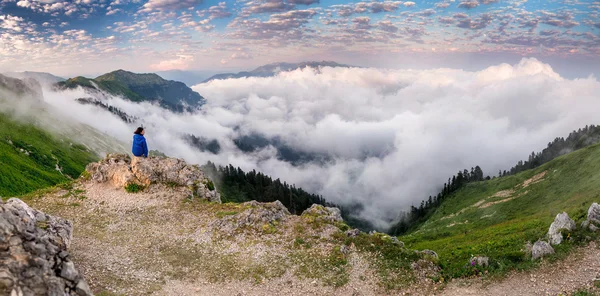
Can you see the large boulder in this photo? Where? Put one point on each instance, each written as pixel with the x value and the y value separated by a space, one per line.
pixel 541 249
pixel 33 248
pixel 561 222
pixel 121 170
pixel 321 213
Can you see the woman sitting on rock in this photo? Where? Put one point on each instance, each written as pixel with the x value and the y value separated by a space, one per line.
pixel 140 148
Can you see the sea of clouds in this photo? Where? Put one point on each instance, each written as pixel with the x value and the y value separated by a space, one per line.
pixel 393 137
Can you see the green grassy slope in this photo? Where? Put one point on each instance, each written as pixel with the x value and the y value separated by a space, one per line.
pixel 28 158
pixel 479 219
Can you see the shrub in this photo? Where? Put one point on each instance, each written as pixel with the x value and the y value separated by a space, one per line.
pixel 210 185
pixel 134 188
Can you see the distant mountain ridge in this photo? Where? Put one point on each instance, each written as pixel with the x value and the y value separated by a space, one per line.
pixel 150 87
pixel 274 68
pixel 41 77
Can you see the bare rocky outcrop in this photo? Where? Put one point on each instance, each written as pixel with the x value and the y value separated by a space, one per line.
pixel 121 170
pixel 34 255
pixel 253 215
pixel 326 214
pixel 561 222
pixel 541 249
pixel 593 220
pixel 594 214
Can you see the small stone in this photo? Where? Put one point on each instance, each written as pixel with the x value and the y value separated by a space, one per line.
pixel 480 261
pixel 353 232
pixel 594 213
pixel 593 228
pixel 430 253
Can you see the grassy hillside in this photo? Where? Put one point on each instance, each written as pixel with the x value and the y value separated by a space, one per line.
pixel 496 218
pixel 29 158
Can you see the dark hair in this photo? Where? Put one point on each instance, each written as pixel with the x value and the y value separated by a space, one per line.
pixel 139 131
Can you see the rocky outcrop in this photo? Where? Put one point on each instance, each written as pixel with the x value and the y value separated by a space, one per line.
pixel 594 214
pixel 593 219
pixel 121 170
pixel 34 255
pixel 541 249
pixel 326 214
pixel 253 215
pixel 561 222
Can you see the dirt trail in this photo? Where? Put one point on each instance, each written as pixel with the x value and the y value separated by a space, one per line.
pixel 579 271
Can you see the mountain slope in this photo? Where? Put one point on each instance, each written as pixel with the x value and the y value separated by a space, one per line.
pixel 272 70
pixel 172 95
pixel 496 218
pixel 32 159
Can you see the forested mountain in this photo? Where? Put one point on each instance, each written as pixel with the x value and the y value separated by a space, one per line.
pixel 272 69
pixel 173 95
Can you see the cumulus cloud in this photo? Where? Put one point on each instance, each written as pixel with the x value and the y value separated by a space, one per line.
pixel 181 62
pixel 391 136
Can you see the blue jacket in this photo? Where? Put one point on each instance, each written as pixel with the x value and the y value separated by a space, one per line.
pixel 140 148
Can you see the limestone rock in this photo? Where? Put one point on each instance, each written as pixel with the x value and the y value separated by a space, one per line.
pixel 541 249
pixel 561 222
pixel 254 215
pixel 593 228
pixel 353 232
pixel 480 261
pixel 121 170
pixel 326 214
pixel 35 260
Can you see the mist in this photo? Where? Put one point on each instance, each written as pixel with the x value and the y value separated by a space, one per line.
pixel 392 137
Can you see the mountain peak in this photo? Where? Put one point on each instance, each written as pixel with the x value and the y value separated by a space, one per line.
pixel 272 69
pixel 136 87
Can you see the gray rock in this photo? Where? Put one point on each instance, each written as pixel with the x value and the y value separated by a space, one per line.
pixel 353 232
pixel 83 289
pixel 594 213
pixel 561 222
pixel 430 253
pixel 593 228
pixel 41 239
pixel 397 242
pixel 68 271
pixel 480 261
pixel 541 249
pixel 322 213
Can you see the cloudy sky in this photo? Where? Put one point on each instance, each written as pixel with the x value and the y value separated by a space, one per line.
pixel 95 36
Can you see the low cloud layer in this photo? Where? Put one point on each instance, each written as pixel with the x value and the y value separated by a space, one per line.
pixel 392 136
